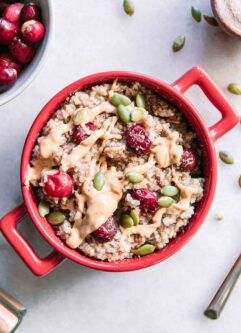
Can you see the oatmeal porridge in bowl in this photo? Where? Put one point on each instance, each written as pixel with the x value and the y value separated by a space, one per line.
pixel 117 171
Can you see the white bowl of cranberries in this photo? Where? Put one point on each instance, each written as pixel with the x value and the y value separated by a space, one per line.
pixel 25 28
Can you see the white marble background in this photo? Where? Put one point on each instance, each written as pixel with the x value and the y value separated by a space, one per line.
pixel 92 36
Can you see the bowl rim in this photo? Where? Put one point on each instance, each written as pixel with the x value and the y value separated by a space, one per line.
pixel 125 264
pixel 41 61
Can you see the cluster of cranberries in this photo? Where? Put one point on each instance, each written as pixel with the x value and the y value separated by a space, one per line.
pixel 20 29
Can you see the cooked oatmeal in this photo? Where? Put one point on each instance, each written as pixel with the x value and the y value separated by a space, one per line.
pixel 117 171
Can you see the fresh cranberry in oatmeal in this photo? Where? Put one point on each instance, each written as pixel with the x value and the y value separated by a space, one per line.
pixel 147 198
pixel 138 139
pixel 59 185
pixel 189 160
pixel 106 232
pixel 79 134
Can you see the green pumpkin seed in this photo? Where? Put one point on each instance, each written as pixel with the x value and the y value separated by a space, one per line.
pixel 55 218
pixel 134 216
pixel 126 221
pixel 144 250
pixel 140 100
pixel 226 157
pixel 235 88
pixel 137 114
pixel 165 202
pixel 169 190
pixel 178 43
pixel 99 181
pixel 196 14
pixel 78 117
pixel 218 217
pixel 211 20
pixel 124 114
pixel 128 7
pixel 43 208
pixel 117 99
pixel 134 177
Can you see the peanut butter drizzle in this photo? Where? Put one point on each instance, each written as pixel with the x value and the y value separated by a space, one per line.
pixel 50 143
pixel 142 169
pixel 38 166
pixel 167 151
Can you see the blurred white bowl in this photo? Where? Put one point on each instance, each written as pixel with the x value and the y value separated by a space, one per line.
pixel 32 69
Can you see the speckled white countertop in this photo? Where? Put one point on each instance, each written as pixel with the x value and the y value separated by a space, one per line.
pixel 92 36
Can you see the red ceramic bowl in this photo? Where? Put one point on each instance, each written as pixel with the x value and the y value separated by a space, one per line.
pixel 207 137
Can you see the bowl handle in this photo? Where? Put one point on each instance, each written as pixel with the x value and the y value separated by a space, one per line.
pixel 197 76
pixel 39 266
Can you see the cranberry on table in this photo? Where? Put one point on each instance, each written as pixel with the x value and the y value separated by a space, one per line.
pixel 79 134
pixel 21 51
pixel 32 31
pixel 147 198
pixel 189 160
pixel 30 11
pixel 8 31
pixel 138 139
pixel 106 232
pixel 7 61
pixel 8 77
pixel 59 185
pixel 12 12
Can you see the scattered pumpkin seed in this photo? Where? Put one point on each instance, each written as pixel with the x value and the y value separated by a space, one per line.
pixel 137 114
pixel 218 217
pixel 43 208
pixel 140 100
pixel 99 181
pixel 128 7
pixel 134 177
pixel 178 43
pixel 126 221
pixel 134 216
pixel 169 190
pixel 55 218
pixel 78 117
pixel 234 88
pixel 165 202
pixel 226 157
pixel 211 20
pixel 239 181
pixel 144 250
pixel 117 99
pixel 124 114
pixel 196 14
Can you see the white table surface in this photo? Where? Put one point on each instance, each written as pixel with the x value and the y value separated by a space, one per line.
pixel 92 36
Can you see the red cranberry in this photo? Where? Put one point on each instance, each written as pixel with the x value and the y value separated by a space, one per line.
pixel 79 134
pixel 138 139
pixel 21 51
pixel 32 31
pixel 7 61
pixel 59 185
pixel 8 31
pixel 106 232
pixel 8 77
pixel 147 198
pixel 30 11
pixel 189 160
pixel 3 6
pixel 12 12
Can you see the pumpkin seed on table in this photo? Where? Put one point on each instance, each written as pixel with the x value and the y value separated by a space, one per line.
pixel 43 208
pixel 134 177
pixel 134 216
pixel 128 7
pixel 55 218
pixel 127 221
pixel 211 20
pixel 78 117
pixel 169 190
pixel 137 114
pixel 234 88
pixel 124 114
pixel 178 43
pixel 99 181
pixel 218 217
pixel 140 100
pixel 165 202
pixel 117 99
pixel 226 157
pixel 196 14
pixel 144 250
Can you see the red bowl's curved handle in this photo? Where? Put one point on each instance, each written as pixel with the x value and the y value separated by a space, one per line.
pixel 39 266
pixel 197 76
